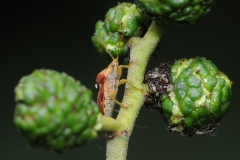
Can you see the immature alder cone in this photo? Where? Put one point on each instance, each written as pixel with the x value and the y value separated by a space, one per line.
pixel 121 23
pixel 175 12
pixel 54 111
pixel 192 99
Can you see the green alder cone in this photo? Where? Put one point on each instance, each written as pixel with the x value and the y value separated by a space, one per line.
pixel 121 23
pixel 107 42
pixel 54 111
pixel 194 99
pixel 175 12
pixel 126 19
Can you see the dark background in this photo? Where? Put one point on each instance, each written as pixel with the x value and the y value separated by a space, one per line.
pixel 57 35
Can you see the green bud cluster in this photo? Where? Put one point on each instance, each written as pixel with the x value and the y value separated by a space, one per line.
pixel 121 23
pixel 199 98
pixel 175 12
pixel 54 111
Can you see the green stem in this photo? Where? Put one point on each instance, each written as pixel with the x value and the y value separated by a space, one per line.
pixel 133 98
pixel 110 124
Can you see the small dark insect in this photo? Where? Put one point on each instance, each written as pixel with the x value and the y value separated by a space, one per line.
pixel 152 87
pixel 198 71
pixel 170 87
pixel 159 83
pixel 109 135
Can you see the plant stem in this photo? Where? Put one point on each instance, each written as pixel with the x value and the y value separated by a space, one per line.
pixel 133 98
pixel 110 124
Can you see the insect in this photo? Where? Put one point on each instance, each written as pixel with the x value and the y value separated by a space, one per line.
pixel 158 82
pixel 107 82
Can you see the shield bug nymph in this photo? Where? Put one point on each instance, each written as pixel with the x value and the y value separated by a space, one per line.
pixel 107 82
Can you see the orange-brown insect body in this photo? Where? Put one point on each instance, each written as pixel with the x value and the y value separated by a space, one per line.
pixel 107 82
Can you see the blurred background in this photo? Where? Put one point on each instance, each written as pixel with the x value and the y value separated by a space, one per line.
pixel 57 35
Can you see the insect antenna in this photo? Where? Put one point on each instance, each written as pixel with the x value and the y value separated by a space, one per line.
pixel 121 39
pixel 119 43
pixel 101 41
pixel 122 36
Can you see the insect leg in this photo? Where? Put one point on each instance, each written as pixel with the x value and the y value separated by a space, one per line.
pixel 113 93
pixel 122 81
pixel 112 96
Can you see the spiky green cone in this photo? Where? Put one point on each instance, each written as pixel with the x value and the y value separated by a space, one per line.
pixel 54 111
pixel 108 43
pixel 121 23
pixel 126 19
pixel 198 100
pixel 175 12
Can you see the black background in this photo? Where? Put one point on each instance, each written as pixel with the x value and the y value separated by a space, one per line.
pixel 57 35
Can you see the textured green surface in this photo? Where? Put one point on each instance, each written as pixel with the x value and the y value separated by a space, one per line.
pixel 120 23
pixel 175 12
pixel 200 99
pixel 55 111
